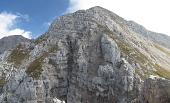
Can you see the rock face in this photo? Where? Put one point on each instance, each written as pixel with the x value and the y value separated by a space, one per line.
pixel 10 41
pixel 90 56
pixel 155 90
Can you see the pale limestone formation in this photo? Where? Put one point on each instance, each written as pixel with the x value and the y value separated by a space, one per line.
pixel 90 56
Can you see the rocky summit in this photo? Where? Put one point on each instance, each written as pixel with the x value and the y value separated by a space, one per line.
pixel 8 42
pixel 90 56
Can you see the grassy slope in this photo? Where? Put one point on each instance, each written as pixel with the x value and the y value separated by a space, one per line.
pixel 137 56
pixel 35 68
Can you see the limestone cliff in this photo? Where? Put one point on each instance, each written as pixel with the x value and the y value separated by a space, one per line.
pixel 90 56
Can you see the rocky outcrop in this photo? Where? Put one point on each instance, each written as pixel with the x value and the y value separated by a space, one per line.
pixel 155 90
pixel 55 100
pixel 11 41
pixel 90 56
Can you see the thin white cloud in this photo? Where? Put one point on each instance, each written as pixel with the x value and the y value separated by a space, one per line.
pixel 23 16
pixel 47 24
pixel 20 32
pixel 152 14
pixel 7 21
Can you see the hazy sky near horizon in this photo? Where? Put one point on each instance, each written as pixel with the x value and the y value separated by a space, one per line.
pixel 32 18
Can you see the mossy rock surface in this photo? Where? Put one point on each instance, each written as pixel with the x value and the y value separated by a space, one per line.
pixel 18 54
pixel 34 69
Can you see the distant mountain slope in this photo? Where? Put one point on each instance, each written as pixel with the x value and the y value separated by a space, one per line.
pixel 159 38
pixel 10 41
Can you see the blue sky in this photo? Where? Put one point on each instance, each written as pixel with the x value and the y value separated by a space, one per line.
pixel 32 18
pixel 33 15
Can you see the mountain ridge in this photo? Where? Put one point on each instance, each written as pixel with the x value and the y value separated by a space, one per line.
pixel 88 56
pixel 159 38
pixel 10 41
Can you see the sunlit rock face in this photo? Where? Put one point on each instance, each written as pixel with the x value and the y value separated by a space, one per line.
pixel 90 56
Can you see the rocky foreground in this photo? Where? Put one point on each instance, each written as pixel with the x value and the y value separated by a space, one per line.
pixel 90 56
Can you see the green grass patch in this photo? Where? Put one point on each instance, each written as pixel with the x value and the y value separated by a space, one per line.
pixel 34 69
pixel 161 48
pixel 162 72
pixel 18 54
pixel 138 56
pixel 2 81
pixel 105 29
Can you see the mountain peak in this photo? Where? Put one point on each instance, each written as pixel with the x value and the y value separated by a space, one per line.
pixel 13 36
pixel 90 56
pixel 10 41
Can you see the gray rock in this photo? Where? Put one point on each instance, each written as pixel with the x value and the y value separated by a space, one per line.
pixel 155 90
pixel 11 41
pixel 90 56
